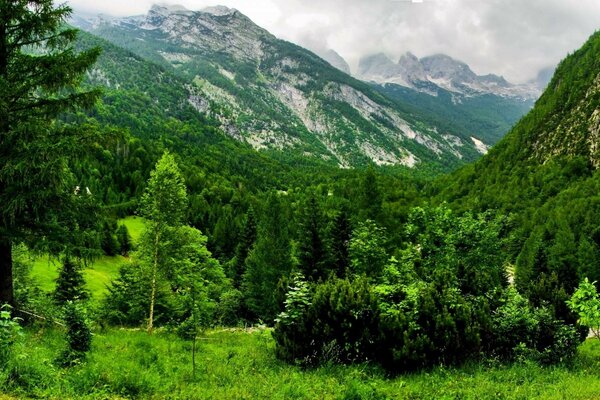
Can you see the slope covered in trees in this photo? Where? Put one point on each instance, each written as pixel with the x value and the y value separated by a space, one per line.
pixel 544 175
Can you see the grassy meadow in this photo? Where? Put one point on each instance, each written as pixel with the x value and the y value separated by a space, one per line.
pixel 240 364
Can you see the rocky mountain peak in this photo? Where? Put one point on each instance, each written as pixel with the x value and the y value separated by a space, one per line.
pixel 219 11
pixel 164 10
pixel 439 71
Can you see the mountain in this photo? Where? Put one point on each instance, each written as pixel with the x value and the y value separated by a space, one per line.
pixel 430 74
pixel 280 98
pixel 544 177
pixel 333 58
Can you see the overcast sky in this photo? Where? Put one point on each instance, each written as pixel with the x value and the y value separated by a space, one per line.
pixel 513 38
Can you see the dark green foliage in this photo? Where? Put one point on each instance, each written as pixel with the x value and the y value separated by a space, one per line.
pixel 370 200
pixel 123 240
pixel 70 284
pixel 109 242
pixel 39 79
pixel 79 336
pixel 268 262
pixel 311 246
pixel 339 324
pixel 338 243
pixel 519 330
pixel 247 239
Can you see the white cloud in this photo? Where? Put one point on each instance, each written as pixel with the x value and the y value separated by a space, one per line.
pixel 514 38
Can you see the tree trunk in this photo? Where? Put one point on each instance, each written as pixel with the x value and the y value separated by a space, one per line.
pixel 6 277
pixel 153 294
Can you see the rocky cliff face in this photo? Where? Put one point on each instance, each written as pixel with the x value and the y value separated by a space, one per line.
pixel 280 97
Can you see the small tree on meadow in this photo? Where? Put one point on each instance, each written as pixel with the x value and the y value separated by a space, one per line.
pixel 585 302
pixel 70 284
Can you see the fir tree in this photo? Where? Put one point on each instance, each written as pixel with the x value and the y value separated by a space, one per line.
pixel 246 242
pixel 268 262
pixel 311 247
pixel 340 234
pixel 124 240
pixel 39 78
pixel 70 284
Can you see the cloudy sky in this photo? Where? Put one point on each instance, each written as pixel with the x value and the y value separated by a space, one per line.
pixel 513 38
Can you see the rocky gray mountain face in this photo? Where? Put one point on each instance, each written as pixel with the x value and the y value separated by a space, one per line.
pixel 281 98
pixel 430 74
pixel 333 58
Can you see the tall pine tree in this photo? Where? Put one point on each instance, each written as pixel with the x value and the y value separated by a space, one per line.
pixel 39 79
pixel 268 262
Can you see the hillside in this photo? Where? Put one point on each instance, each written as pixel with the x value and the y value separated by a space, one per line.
pixel 282 98
pixel 544 177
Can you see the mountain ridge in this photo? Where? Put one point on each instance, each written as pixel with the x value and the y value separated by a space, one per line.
pixel 430 73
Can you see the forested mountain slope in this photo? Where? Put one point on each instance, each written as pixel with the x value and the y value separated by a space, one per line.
pixel 277 96
pixel 544 175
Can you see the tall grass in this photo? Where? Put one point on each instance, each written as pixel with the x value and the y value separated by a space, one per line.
pixel 237 364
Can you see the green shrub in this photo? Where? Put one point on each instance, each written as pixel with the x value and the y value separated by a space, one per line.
pixel 519 331
pixel 339 324
pixel 79 336
pixel 10 331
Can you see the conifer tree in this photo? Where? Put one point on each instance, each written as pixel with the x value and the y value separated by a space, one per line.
pixel 370 200
pixel 246 242
pixel 312 252
pixel 70 284
pixel 268 262
pixel 124 240
pixel 340 234
pixel 39 79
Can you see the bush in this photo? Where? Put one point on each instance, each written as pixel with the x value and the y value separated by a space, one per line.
pixel 9 333
pixel 519 330
pixel 79 336
pixel 339 324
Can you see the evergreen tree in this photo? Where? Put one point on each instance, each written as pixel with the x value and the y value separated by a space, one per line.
pixel 311 249
pixel 109 243
pixel 246 242
pixel 70 284
pixel 79 335
pixel 268 262
pixel 370 200
pixel 164 206
pixel 340 234
pixel 39 79
pixel 124 240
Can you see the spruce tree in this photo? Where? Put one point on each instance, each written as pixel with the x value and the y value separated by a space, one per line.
pixel 311 252
pixel 40 75
pixel 124 240
pixel 246 242
pixel 370 200
pixel 70 284
pixel 340 234
pixel 268 263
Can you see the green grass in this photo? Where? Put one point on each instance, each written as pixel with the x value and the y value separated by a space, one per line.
pixel 241 365
pixel 98 274
pixel 135 226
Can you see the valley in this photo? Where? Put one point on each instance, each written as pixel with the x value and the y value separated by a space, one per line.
pixel 194 207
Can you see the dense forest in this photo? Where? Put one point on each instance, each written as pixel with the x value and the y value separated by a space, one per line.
pixel 388 267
